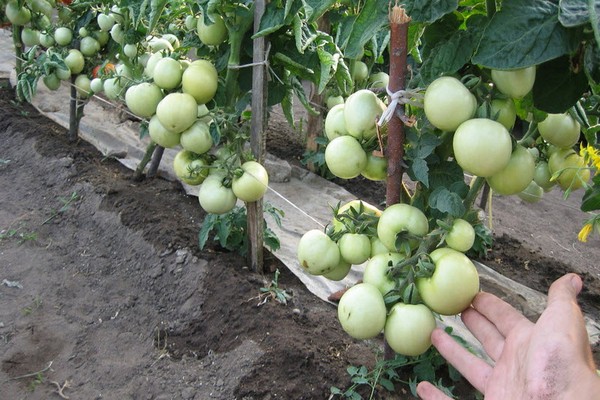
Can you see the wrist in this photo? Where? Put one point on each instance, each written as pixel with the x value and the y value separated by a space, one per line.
pixel 587 388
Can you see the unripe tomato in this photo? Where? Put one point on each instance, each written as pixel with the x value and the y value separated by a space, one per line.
pixel 360 72
pixel 89 46
pixel 105 21
pixel 376 168
pixel 532 193
pixel 30 37
pixel 335 124
pixel 117 34
pixel 63 74
pixel 514 83
pixel 42 7
pixel 17 15
pixel 97 85
pixel 401 218
pixel 361 112
pixel 560 130
pixel 190 22
pixel 461 236
pixel 112 88
pixel 142 99
pixel 355 248
pixel 51 81
pixel 190 167
pixel 379 80
pixel 63 36
pixel 177 112
pixel 345 157
pixel 200 80
pixel 252 184
pixel 75 61
pixel 355 205
pixel 214 197
pixel 160 135
pixel 102 37
pixel 197 138
pixel 408 329
pixel 516 175
pixel 376 271
pixel 542 176
pixel 482 147
pixel 333 101
pixel 505 112
pixel 82 84
pixel 377 247
pixel 167 73
pixel 448 103
pixel 213 34
pixel 571 167
pixel 339 272
pixel 83 32
pixel 153 59
pixel 130 50
pixel 46 40
pixel 362 312
pixel 317 253
pixel 453 285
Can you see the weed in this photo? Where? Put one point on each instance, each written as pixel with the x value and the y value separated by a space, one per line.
pixel 35 304
pixel 37 380
pixel 386 374
pixel 273 291
pixel 4 161
pixel 19 233
pixel 66 205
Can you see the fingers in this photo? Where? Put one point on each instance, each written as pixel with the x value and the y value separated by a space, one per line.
pixel 427 391
pixel 474 369
pixel 485 332
pixel 565 288
pixel 498 312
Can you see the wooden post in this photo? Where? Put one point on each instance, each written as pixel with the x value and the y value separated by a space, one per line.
pixel 257 139
pixel 395 146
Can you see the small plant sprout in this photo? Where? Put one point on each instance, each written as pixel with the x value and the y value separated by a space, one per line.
pixel 66 205
pixel 274 292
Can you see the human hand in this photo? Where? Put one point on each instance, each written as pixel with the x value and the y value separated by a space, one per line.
pixel 549 360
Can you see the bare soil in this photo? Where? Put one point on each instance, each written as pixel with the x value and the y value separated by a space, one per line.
pixel 104 287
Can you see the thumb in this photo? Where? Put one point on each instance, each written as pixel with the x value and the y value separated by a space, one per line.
pixel 565 288
pixel 427 391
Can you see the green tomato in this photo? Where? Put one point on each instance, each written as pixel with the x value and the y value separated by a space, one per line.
pixel 89 46
pixel 399 218
pixel 376 168
pixel 355 248
pixel 448 103
pixel 542 176
pixel 190 22
pixel 117 34
pixel 190 167
pixel 112 88
pixel 159 134
pixel 317 253
pixel 30 37
pixel 213 34
pixel 105 21
pixel 200 80
pixel 360 73
pixel 453 285
pixel 97 85
pixel 377 247
pixel 570 169
pixel 46 40
pixel 75 61
pixel 516 175
pixel 339 272
pixel 560 130
pixel 252 184
pixel 361 112
pixel 42 7
pixel 362 312
pixel 17 15
pixel 514 83
pixel 63 36
pixel 408 329
pixel 197 138
pixel 51 81
pixel 83 32
pixel 142 99
pixel 63 74
pixel 379 80
pixel 345 157
pixel 82 84
pixel 177 111
pixel 376 271
pixel 215 197
pixel 102 37
pixel 461 236
pixel 335 124
pixel 532 193
pixel 357 206
pixel 505 112
pixel 482 147
pixel 333 101
pixel 167 73
pixel 130 50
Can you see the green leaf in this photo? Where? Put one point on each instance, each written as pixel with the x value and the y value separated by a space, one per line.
pixel 424 371
pixel 276 17
pixel 591 199
pixel 524 33
pixel 594 10
pixel 429 11
pixel 316 8
pixel 448 56
pixel 387 384
pixel 329 63
pixel 591 62
pixel 372 17
pixel 207 226
pixel 156 9
pixel 573 13
pixel 557 87
pixel 446 174
pixel 419 170
pixel 446 201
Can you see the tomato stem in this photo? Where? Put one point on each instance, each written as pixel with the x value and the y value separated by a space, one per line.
pixel 530 135
pixel 18 48
pixel 139 171
pixel 474 190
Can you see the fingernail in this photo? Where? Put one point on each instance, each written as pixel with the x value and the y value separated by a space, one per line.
pixel 576 282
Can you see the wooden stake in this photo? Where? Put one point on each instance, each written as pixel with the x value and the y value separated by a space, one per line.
pixel 257 139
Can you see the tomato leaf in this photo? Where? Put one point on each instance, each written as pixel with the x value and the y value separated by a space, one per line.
pixel 446 201
pixel 591 198
pixel 448 56
pixel 591 62
pixel 524 33
pixel 573 13
pixel 429 10
pixel 594 10
pixel 276 17
pixel 315 8
pixel 558 86
pixel 356 32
